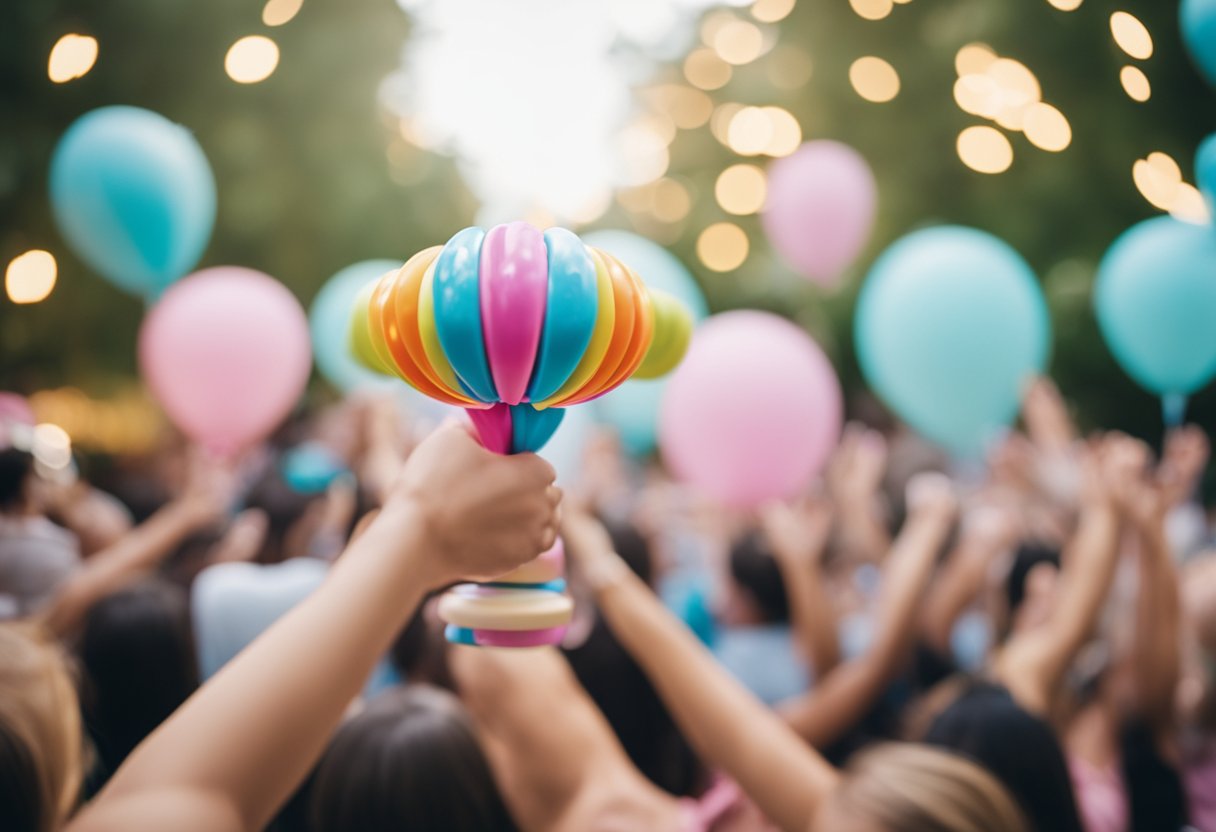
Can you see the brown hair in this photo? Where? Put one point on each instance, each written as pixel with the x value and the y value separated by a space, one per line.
pixel 914 788
pixel 41 758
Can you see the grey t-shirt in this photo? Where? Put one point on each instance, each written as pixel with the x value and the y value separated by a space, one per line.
pixel 36 557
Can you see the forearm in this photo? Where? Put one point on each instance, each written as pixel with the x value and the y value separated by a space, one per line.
pixel 1088 570
pixel 862 530
pixel 725 724
pixel 909 567
pixel 96 518
pixel 254 731
pixel 958 586
pixel 813 615
pixel 1157 659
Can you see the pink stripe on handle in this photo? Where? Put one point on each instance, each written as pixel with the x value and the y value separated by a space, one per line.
pixel 514 282
pixel 493 427
pixel 519 638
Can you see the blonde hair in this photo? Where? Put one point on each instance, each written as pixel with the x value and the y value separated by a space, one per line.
pixel 914 788
pixel 41 756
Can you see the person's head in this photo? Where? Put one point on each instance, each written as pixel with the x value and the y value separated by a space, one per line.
pixel 137 654
pixel 984 723
pixel 1029 590
pixel 410 760
pixel 914 788
pixel 16 469
pixel 757 590
pixel 41 755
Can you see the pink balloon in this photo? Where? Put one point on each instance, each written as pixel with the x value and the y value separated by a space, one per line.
pixel 514 293
pixel 820 209
pixel 15 409
pixel 226 353
pixel 753 412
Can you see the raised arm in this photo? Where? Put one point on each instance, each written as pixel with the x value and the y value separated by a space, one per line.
pixel 729 728
pixel 1033 663
pixel 844 697
pixel 799 537
pixel 227 759
pixel 854 480
pixel 142 549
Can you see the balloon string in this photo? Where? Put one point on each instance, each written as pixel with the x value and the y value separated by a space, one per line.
pixel 1173 409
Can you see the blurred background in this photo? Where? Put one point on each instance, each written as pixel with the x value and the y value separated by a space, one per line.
pixel 341 132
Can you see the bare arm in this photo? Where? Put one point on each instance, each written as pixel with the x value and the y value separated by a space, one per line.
pixel 727 726
pixel 798 538
pixel 228 758
pixel 855 480
pixel 844 697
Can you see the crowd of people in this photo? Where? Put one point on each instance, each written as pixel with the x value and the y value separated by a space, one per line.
pixel 914 645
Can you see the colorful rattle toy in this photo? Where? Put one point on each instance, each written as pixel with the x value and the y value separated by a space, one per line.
pixel 513 325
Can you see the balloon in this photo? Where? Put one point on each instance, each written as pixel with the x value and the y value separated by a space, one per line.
pixel 633 409
pixel 134 196
pixel 1198 20
pixel 328 320
pixel 226 354
pixel 1205 169
pixel 1155 299
pixel 820 209
pixel 514 292
pixel 16 410
pixel 950 324
pixel 753 412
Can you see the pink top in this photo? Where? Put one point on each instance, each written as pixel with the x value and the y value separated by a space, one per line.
pixel 1101 797
pixel 723 808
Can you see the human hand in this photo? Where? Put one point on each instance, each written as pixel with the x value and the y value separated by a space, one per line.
pixel 1184 459
pixel 483 514
pixel 1048 424
pixel 589 547
pixel 798 533
pixel 857 468
pixel 210 488
pixel 930 494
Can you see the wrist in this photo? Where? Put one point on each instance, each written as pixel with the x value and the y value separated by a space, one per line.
pixel 406 531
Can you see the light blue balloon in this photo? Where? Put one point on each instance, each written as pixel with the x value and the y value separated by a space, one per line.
pixel 134 197
pixel 950 325
pixel 457 296
pixel 1205 169
pixel 329 323
pixel 1198 21
pixel 1155 299
pixel 633 408
pixel 570 313
pixel 658 267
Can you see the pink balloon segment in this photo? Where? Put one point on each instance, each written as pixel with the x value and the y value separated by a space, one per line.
pixel 772 432
pixel 226 353
pixel 514 294
pixel 820 209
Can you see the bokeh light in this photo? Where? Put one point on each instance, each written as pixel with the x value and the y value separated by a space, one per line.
pixel 1046 127
pixel 1131 35
pixel 974 59
pixel 687 108
pixel 872 9
pixel 71 57
pixel 738 42
pixel 770 11
pixel 1066 5
pixel 1135 83
pixel 1190 206
pixel 874 79
pixel 278 12
pixel 985 149
pixel 30 277
pixel 705 69
pixel 671 201
pixel 722 247
pixel 1158 178
pixel 750 131
pixel 251 59
pixel 741 189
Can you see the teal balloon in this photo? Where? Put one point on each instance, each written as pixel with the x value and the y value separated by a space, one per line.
pixel 329 324
pixel 658 267
pixel 1198 21
pixel 531 428
pixel 949 326
pixel 1205 169
pixel 570 313
pixel 134 197
pixel 633 408
pixel 1155 298
pixel 457 293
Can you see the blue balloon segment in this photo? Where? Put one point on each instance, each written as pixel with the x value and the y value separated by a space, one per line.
pixel 310 468
pixel 459 635
pixel 570 313
pixel 329 324
pixel 1205 169
pixel 134 196
pixel 1155 299
pixel 457 288
pixel 1198 22
pixel 558 586
pixel 950 325
pixel 531 428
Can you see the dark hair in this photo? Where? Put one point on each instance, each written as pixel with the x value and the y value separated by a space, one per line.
pixel 753 567
pixel 15 468
pixel 985 724
pixel 283 506
pixel 1025 559
pixel 20 791
pixel 410 761
pixel 139 667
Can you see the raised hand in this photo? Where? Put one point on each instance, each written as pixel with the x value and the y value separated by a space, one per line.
pixel 1183 461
